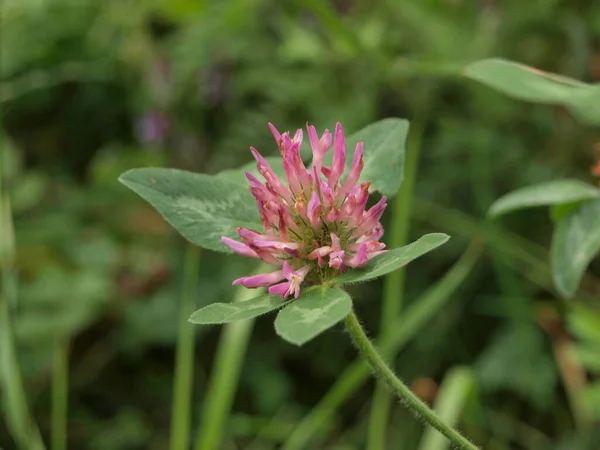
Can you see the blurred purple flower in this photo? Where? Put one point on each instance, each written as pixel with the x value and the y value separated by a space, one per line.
pixel 152 128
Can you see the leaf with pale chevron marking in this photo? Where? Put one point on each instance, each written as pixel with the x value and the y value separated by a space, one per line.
pixel 316 310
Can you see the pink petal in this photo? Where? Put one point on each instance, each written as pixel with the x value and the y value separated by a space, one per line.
pixel 325 141
pixel 282 289
pixel 266 255
pixel 298 137
pixel 287 270
pixel 335 242
pixel 239 247
pixel 374 254
pixel 371 218
pixel 321 251
pixel 272 180
pixel 336 259
pixel 276 134
pixel 314 210
pixel 326 194
pixel 319 146
pixel 332 215
pixel 339 156
pixel 263 279
pixel 249 236
pixel 355 171
pixel 279 245
pixel 360 258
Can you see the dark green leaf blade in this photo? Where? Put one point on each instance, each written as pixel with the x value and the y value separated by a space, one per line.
pixel 237 175
pixel 200 207
pixel 317 309
pixel 384 148
pixel 576 241
pixel 394 259
pixel 556 192
pixel 218 313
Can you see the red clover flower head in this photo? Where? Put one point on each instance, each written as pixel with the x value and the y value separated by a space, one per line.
pixel 316 225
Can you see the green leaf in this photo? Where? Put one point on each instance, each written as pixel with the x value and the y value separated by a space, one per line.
pixel 217 313
pixel 584 323
pixel 533 85
pixel 384 147
pixel 556 192
pixel 317 309
pixel 383 157
pixel 559 212
pixel 394 259
pixel 576 241
pixel 237 175
pixel 200 207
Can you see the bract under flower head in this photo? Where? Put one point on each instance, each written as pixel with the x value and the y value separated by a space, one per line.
pixel 316 225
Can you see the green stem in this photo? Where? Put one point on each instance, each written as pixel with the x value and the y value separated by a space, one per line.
pixel 384 373
pixel 416 316
pixel 60 393
pixel 393 287
pixel 184 357
pixel 19 420
pixel 225 375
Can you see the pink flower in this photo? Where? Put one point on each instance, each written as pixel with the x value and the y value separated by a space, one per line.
pixel 315 222
pixel 292 286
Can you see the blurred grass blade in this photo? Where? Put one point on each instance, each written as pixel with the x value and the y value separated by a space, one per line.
pixel 450 402
pixel 225 375
pixel 60 393
pixel 393 285
pixel 415 317
pixel 184 357
pixel 19 422
pixel 18 417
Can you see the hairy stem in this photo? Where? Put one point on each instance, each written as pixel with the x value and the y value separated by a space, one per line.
pixel 410 400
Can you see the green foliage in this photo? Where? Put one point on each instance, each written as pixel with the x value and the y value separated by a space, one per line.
pixel 200 207
pixel 575 243
pixel 318 309
pixel 77 80
pixel 584 324
pixel 219 313
pixel 532 372
pixel 533 85
pixel 384 143
pixel 394 259
pixel 550 193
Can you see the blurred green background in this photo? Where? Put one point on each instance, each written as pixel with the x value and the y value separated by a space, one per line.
pixel 89 89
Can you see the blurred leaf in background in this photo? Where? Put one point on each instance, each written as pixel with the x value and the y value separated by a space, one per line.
pixel 91 89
